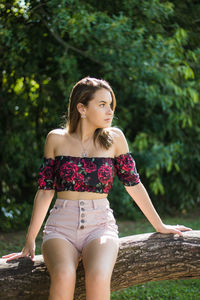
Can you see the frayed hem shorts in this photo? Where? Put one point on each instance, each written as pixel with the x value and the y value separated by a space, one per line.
pixel 80 221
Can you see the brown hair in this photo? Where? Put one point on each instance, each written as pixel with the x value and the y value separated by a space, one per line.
pixel 83 92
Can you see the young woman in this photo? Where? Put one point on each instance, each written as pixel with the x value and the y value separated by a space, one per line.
pixel 79 164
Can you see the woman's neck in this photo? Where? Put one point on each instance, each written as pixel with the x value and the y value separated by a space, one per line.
pixel 84 134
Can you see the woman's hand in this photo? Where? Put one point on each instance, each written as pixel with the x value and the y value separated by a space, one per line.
pixel 28 250
pixel 175 229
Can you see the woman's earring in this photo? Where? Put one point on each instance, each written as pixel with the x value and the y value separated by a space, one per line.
pixel 83 116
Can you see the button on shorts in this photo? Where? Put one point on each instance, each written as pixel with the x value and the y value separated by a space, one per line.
pixel 80 221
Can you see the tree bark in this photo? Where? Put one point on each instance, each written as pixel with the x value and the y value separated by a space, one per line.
pixel 142 258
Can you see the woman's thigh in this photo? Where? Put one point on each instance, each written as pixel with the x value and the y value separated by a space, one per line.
pixel 59 254
pixel 100 255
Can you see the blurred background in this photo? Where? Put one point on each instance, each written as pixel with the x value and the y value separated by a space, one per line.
pixel 149 52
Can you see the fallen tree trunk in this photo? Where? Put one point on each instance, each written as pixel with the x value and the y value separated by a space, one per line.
pixel 142 258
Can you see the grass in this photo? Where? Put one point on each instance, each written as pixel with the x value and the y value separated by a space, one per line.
pixel 163 290
pixel 166 290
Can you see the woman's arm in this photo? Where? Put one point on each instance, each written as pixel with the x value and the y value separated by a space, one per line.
pixel 139 193
pixel 141 197
pixel 43 198
pixel 41 205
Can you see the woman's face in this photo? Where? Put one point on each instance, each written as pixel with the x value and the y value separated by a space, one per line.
pixel 98 112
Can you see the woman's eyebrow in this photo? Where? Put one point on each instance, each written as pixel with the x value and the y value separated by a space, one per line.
pixel 104 101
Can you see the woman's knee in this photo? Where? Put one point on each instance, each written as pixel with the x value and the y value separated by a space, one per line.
pixel 98 276
pixel 63 275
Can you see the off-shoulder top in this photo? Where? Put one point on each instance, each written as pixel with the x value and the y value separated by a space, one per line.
pixel 86 174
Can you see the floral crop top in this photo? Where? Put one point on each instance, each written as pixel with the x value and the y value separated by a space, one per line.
pixel 90 174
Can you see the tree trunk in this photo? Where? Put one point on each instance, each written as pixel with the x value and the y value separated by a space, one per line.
pixel 142 258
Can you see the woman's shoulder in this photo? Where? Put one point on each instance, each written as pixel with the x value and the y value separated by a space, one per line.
pixel 56 134
pixel 53 139
pixel 115 131
pixel 119 140
pixel 117 134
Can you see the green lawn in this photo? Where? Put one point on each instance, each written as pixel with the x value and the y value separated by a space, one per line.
pixel 164 290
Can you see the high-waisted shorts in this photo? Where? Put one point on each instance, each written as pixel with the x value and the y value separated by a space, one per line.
pixel 80 221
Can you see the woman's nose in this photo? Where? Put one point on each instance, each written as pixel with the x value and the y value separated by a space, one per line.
pixel 110 111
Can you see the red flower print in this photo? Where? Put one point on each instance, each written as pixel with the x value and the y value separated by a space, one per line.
pixel 89 166
pixel 50 161
pixel 108 187
pixel 126 162
pixel 130 178
pixel 126 169
pixel 68 171
pixel 79 179
pixel 41 182
pixel 57 166
pixel 47 172
pixel 105 174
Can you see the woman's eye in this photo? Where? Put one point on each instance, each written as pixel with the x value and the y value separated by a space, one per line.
pixel 102 104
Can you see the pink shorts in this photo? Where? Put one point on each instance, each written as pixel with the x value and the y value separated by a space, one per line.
pixel 80 221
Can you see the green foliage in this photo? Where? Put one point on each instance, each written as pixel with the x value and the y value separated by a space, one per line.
pixel 148 51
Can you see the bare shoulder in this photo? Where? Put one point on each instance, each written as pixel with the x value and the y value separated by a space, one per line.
pixel 115 132
pixel 119 141
pixel 56 133
pixel 52 140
